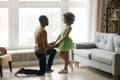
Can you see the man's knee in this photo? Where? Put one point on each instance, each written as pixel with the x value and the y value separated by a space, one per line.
pixel 51 52
pixel 54 51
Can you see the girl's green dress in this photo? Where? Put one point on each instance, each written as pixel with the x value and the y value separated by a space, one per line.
pixel 67 44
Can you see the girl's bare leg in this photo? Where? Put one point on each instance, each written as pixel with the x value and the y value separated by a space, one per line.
pixel 66 59
pixel 64 55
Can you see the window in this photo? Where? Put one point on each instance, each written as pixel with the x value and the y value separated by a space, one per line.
pixel 80 26
pixel 77 0
pixel 39 0
pixel 4 27
pixel 82 20
pixel 19 19
pixel 29 21
pixel 3 0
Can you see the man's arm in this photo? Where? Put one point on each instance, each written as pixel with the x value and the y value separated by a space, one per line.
pixel 44 41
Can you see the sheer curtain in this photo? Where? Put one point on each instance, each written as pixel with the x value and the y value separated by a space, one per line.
pixel 94 17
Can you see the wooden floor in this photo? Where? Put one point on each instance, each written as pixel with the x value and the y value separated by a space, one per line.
pixel 80 73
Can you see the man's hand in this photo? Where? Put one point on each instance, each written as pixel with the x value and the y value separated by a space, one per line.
pixel 57 45
pixel 52 43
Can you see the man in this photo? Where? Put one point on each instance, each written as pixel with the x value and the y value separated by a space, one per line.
pixel 42 48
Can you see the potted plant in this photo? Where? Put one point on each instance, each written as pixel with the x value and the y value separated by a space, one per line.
pixel 112 15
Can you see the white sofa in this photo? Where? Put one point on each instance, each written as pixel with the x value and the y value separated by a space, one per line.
pixel 103 53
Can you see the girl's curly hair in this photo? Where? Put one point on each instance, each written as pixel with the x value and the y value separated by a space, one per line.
pixel 69 17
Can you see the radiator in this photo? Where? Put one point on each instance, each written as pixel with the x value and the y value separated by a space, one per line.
pixel 26 55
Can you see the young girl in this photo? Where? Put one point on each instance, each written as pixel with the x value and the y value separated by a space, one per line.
pixel 65 42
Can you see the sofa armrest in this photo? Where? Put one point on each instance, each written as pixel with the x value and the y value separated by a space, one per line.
pixel 116 64
pixel 85 45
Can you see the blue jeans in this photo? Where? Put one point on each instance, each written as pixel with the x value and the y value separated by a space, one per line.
pixel 51 53
pixel 42 62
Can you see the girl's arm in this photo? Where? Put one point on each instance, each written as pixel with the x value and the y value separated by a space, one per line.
pixel 66 35
pixel 54 42
pixel 58 38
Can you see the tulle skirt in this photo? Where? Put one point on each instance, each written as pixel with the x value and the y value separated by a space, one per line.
pixel 66 45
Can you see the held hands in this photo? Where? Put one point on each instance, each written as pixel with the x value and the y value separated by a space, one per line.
pixel 57 45
pixel 54 44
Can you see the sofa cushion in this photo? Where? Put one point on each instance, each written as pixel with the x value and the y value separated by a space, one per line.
pixel 104 40
pixel 102 51
pixel 117 44
pixel 82 52
pixel 85 45
pixel 104 58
